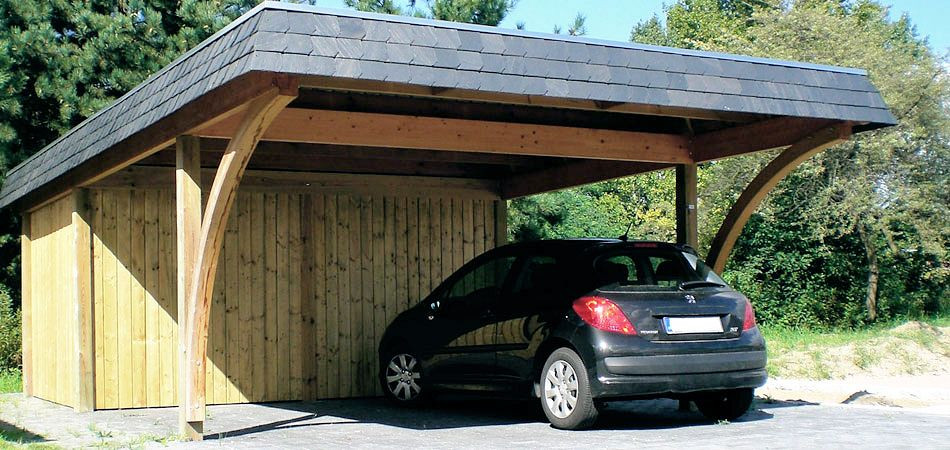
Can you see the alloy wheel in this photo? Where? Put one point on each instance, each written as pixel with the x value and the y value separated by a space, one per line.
pixel 402 377
pixel 560 389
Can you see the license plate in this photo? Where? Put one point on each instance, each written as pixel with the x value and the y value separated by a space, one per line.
pixel 688 325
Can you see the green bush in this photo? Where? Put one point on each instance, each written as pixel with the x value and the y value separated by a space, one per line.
pixel 10 356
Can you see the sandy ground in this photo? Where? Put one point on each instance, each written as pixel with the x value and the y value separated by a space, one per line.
pixel 909 367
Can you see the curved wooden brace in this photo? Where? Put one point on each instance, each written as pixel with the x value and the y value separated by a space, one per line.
pixel 763 183
pixel 260 113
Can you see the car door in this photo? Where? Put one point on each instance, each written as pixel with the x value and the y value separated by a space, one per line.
pixel 460 333
pixel 538 284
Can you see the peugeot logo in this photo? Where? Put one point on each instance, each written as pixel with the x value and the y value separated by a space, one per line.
pixel 690 299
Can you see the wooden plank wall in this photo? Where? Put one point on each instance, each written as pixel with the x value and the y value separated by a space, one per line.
pixel 52 303
pixel 306 284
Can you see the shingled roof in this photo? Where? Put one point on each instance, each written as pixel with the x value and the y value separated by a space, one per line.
pixel 294 39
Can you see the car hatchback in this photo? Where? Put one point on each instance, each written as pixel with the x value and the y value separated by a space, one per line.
pixel 577 323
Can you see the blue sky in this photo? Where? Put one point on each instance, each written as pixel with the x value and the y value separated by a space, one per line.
pixel 613 19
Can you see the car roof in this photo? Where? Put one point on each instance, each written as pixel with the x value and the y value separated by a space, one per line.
pixel 584 245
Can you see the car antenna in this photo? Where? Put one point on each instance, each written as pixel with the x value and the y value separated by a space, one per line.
pixel 626 234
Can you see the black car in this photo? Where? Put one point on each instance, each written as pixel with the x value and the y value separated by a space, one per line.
pixel 577 323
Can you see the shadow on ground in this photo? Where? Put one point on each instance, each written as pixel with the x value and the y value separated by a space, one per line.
pixel 14 434
pixel 463 412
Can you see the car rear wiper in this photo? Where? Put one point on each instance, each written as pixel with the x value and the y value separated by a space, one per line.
pixel 698 284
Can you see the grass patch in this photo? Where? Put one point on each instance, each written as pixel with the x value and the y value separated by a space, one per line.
pixel 11 380
pixel 782 338
pixel 820 353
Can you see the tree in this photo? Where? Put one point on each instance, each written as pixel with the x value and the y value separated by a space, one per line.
pixel 876 199
pixel 482 12
pixel 879 186
pixel 378 6
pixel 63 60
pixel 578 26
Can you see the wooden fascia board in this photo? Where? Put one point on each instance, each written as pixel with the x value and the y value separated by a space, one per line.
pixel 323 82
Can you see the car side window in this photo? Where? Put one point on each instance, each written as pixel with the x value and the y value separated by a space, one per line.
pixel 484 279
pixel 539 275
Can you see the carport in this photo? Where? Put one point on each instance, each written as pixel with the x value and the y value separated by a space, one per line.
pixel 318 171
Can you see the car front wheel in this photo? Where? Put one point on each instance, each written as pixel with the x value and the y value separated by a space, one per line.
pixel 565 391
pixel 725 405
pixel 401 377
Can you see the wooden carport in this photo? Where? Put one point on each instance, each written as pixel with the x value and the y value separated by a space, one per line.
pixel 312 103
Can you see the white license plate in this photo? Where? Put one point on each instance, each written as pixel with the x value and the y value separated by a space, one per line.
pixel 688 325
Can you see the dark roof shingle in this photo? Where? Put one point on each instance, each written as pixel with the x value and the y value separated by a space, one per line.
pixel 279 37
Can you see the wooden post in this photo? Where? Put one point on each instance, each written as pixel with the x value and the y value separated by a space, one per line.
pixel 259 114
pixel 686 197
pixel 188 222
pixel 26 269
pixel 82 288
pixel 501 223
pixel 763 183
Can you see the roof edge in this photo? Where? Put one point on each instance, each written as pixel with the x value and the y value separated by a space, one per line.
pixel 174 63
pixel 275 5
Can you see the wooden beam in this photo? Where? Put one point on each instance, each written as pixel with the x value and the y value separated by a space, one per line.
pixel 501 223
pixel 315 182
pixel 258 116
pixel 519 99
pixel 188 225
pixel 763 135
pixel 572 174
pixel 307 150
pixel 763 183
pixel 26 305
pixel 415 132
pixel 686 204
pixel 83 294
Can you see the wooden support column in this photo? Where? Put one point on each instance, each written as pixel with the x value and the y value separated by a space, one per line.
pixel 501 223
pixel 686 197
pixel 26 305
pixel 188 223
pixel 82 292
pixel 763 183
pixel 257 118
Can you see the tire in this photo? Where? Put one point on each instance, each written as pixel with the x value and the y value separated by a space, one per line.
pixel 563 381
pixel 401 377
pixel 725 405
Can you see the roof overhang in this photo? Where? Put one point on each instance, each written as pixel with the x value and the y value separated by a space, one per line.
pixel 613 99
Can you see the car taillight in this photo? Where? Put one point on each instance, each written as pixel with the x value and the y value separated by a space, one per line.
pixel 748 322
pixel 603 314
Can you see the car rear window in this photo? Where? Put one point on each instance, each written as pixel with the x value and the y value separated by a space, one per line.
pixel 653 268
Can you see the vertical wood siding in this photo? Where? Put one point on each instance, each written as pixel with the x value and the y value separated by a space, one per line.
pixel 52 304
pixel 306 285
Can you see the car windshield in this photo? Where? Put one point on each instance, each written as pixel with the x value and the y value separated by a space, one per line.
pixel 653 268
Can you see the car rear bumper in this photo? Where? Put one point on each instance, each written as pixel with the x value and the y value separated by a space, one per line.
pixel 658 385
pixel 658 375
pixel 685 364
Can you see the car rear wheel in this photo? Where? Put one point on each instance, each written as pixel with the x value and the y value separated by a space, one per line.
pixel 725 405
pixel 565 391
pixel 401 378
